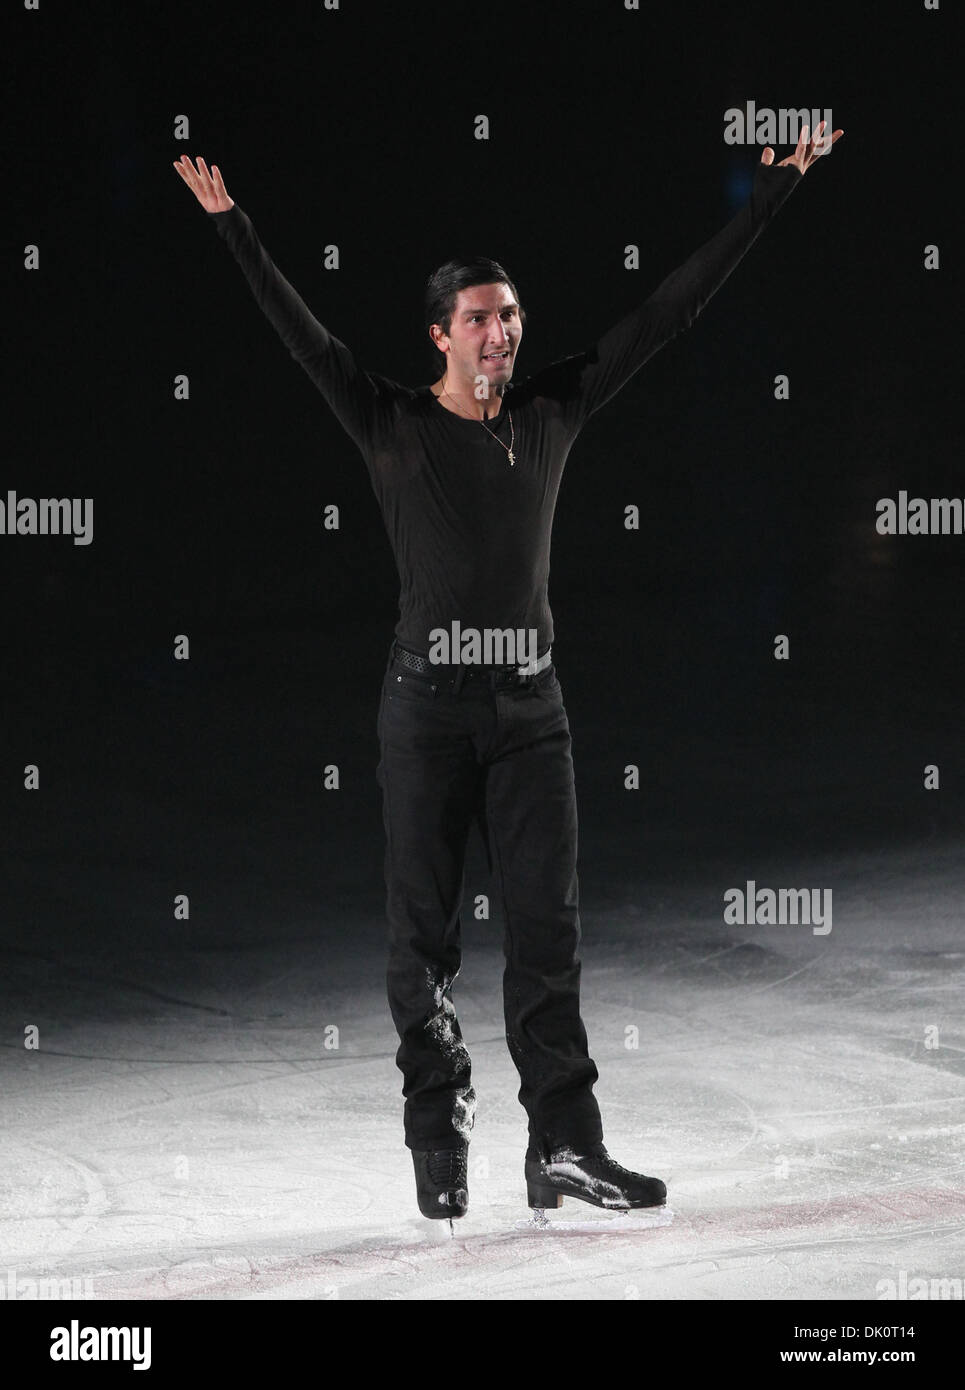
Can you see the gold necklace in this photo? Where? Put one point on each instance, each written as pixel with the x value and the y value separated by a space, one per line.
pixel 512 437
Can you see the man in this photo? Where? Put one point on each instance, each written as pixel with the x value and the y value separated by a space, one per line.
pixel 466 472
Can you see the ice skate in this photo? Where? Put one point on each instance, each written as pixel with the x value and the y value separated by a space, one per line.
pixel 442 1183
pixel 633 1200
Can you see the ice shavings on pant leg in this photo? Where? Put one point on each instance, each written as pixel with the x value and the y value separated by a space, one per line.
pixel 440 1028
pixel 464 1112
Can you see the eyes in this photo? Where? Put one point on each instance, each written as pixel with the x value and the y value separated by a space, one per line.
pixel 510 313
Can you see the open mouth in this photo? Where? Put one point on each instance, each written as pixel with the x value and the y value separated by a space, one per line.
pixel 497 356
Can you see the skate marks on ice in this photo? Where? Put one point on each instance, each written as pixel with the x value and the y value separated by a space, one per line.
pixel 595 1223
pixel 59 1198
pixel 406 1260
pixel 410 1262
pixel 635 1222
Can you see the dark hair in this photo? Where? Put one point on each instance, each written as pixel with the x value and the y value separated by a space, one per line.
pixel 442 291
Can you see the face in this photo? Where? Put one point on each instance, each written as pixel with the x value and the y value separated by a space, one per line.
pixel 484 335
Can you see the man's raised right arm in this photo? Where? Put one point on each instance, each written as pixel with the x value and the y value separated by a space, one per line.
pixel 353 395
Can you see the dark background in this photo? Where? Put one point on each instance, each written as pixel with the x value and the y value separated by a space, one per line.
pixel 355 127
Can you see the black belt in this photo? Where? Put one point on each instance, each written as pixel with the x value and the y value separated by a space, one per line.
pixel 460 671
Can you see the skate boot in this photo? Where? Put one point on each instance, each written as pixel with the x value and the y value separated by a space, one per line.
pixel 591 1175
pixel 442 1183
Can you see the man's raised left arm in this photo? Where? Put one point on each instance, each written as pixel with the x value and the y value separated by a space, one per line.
pixel 595 376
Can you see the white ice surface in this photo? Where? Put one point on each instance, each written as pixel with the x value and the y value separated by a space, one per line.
pixel 197 1140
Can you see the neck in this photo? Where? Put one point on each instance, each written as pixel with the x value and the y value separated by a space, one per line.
pixel 461 399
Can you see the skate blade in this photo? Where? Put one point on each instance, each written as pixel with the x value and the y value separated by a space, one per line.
pixel 607 1223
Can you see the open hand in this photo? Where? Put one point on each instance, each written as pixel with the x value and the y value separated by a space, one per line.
pixel 208 188
pixel 807 150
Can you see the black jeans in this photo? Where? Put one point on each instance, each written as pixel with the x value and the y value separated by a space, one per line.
pixel 453 751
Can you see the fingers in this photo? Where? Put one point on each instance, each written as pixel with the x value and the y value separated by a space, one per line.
pixel 186 169
pixel 206 185
pixel 207 182
pixel 809 147
pixel 822 142
pixel 800 151
pixel 818 145
pixel 198 180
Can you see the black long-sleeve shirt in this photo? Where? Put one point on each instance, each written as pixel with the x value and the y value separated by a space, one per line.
pixel 471 533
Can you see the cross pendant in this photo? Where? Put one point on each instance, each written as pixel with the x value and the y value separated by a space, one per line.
pixel 512 458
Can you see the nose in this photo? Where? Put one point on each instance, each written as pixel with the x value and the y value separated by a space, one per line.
pixel 499 339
